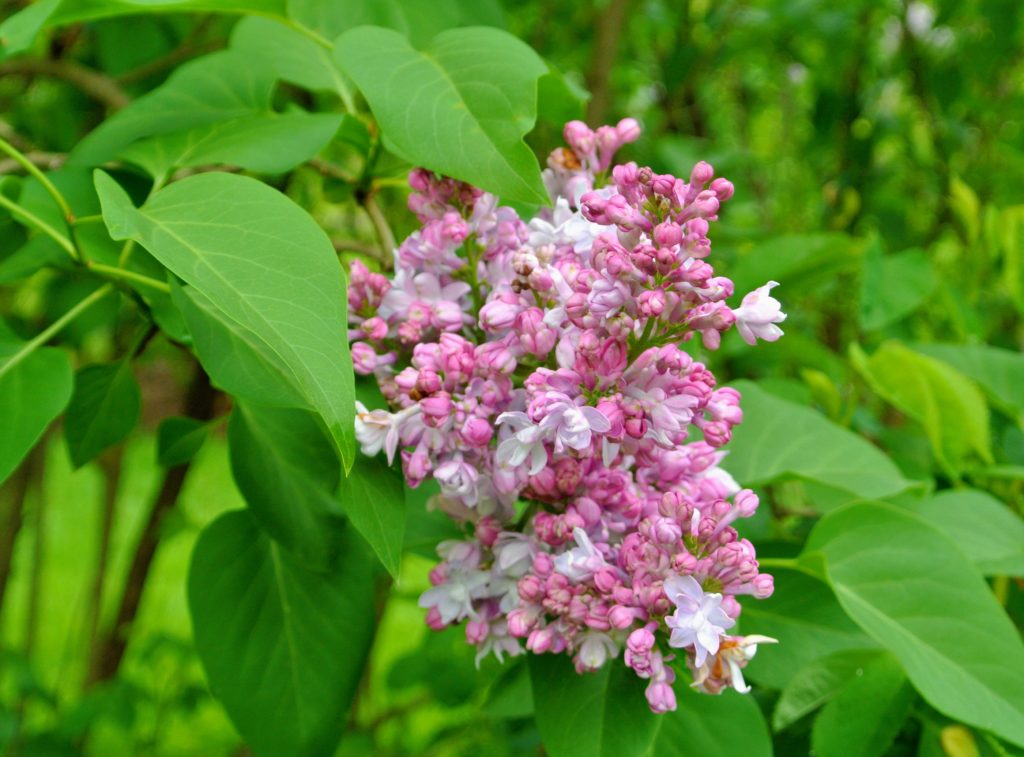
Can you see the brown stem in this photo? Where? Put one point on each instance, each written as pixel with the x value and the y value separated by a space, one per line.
pixel 11 510
pixel 381 226
pixel 610 21
pixel 47 160
pixel 110 649
pixel 99 87
pixel 190 46
pixel 110 463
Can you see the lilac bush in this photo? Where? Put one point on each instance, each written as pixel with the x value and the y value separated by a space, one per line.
pixel 535 369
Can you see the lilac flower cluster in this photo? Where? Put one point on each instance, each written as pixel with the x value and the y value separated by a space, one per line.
pixel 534 371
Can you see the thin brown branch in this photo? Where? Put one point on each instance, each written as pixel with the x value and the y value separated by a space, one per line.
pixel 49 161
pixel 332 171
pixel 381 226
pixel 354 245
pixel 610 23
pixel 15 490
pixel 96 85
pixel 190 47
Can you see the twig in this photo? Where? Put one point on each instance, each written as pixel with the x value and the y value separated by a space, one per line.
pixel 99 87
pixel 189 47
pixel 17 487
pixel 332 171
pixel 610 22
pixel 381 226
pixel 47 160
pixel 354 245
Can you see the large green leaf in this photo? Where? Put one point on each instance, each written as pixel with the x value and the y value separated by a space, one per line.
pixel 808 622
pixel 946 403
pixel 909 587
pixel 287 471
pixel 72 11
pixel 985 529
pixel 294 57
pixel 727 725
pixel 415 19
pixel 283 647
pixel 999 372
pixel 266 143
pixel 460 106
pixel 893 286
pixel 595 714
pixel 104 408
pixel 217 87
pixel 818 682
pixel 19 30
pixel 262 263
pixel 865 717
pixel 780 439
pixel 32 394
pixel 373 496
pixel 237 359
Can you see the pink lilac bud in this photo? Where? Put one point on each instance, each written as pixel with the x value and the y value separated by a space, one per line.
pixel 660 697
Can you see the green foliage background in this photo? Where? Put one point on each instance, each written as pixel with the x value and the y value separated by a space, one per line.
pixel 877 148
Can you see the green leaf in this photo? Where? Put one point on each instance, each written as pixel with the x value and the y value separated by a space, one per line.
pixel 893 286
pixel 727 725
pixel 217 87
pixel 18 31
pixel 459 107
pixel 265 143
pixel 600 713
pixel 294 57
pixel 72 11
pixel 999 372
pixel 946 403
pixel 909 587
pixel 32 394
pixel 38 252
pixel 264 264
pixel 416 20
pixel 104 409
pixel 817 683
pixel 287 471
pixel 236 359
pixel 425 528
pixel 808 622
pixel 800 260
pixel 178 440
pixel 780 439
pixel 283 647
pixel 985 529
pixel 866 716
pixel 373 496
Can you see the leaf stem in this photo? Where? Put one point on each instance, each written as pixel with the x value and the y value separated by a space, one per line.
pixel 62 203
pixel 786 563
pixel 54 328
pixel 40 224
pixel 381 226
pixel 125 274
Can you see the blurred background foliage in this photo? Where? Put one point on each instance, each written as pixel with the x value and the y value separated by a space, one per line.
pixel 878 152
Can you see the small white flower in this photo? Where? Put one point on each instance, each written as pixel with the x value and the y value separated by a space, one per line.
pixel 698 620
pixel 454 598
pixel 595 649
pixel 379 429
pixel 583 561
pixel 757 315
pixel 527 441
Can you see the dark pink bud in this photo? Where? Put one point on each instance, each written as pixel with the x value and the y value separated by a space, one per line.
pixel 701 174
pixel 436 409
pixel 477 631
pixel 723 188
pixel 668 234
pixel 477 432
pixel 434 619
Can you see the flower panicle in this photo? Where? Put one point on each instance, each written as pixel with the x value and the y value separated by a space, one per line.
pixel 541 361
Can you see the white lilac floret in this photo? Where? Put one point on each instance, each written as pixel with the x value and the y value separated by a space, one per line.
pixel 539 361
